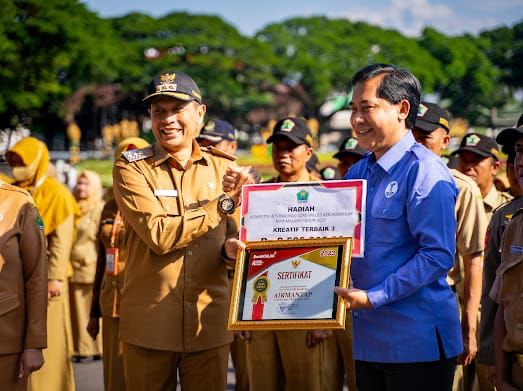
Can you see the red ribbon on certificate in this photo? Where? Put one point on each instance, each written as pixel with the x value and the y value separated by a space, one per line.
pixel 261 285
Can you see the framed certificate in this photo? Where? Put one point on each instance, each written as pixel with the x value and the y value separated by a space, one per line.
pixel 303 210
pixel 289 284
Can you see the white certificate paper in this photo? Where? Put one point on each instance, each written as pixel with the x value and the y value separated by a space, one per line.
pixel 303 210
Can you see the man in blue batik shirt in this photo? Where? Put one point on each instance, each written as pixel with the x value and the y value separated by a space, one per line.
pixel 406 327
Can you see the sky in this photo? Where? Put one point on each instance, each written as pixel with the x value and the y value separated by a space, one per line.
pixel 451 17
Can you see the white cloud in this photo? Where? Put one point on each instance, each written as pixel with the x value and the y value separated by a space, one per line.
pixel 411 16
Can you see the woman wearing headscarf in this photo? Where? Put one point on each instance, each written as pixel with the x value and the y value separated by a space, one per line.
pixel 88 194
pixel 23 288
pixel 109 281
pixel 29 159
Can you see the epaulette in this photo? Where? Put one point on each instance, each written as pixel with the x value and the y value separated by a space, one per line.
pixel 138 154
pixel 216 152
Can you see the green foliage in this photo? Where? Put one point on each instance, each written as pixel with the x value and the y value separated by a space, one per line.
pixel 51 49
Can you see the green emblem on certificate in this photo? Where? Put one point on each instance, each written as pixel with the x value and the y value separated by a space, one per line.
pixel 302 196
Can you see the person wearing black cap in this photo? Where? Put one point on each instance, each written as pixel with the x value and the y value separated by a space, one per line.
pixel 500 220
pixel 432 130
pixel 174 307
pixel 289 360
pixel 219 134
pixel 478 158
pixel 349 153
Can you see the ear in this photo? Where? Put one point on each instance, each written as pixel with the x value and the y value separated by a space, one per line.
pixel 309 153
pixel 446 141
pixel 495 166
pixel 202 109
pixel 404 109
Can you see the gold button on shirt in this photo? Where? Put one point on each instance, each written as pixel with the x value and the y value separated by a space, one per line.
pixel 175 295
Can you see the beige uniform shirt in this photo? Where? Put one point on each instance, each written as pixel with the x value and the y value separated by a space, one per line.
pixel 175 295
pixel 471 224
pixel 84 252
pixel 23 273
pixel 493 200
pixel 508 285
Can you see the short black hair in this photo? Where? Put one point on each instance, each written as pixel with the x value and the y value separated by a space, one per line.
pixel 398 84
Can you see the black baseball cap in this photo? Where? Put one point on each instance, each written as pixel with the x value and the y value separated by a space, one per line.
pixel 174 84
pixel 350 146
pixel 217 130
pixel 509 136
pixel 295 129
pixel 479 144
pixel 431 117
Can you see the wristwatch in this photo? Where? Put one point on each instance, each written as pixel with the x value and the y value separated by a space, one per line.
pixel 226 204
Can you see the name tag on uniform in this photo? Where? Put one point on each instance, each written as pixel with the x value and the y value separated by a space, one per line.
pixel 111 260
pixel 516 250
pixel 165 193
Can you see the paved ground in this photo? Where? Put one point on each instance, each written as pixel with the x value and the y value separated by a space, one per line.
pixel 89 376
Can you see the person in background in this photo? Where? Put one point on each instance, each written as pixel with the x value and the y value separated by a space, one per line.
pixel 29 159
pixel 219 134
pixel 507 289
pixel 23 288
pixel 406 328
pixel 432 130
pixel 88 194
pixel 500 220
pixel 349 153
pixel 478 158
pixel 108 282
pixel 288 360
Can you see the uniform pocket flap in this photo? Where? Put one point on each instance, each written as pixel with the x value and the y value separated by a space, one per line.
pixel 8 302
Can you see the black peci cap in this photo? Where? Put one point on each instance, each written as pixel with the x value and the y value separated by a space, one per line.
pixel 176 85
pixel 295 129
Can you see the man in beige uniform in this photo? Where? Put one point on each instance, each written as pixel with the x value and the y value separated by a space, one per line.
pixel 478 158
pixel 288 360
pixel 23 288
pixel 507 289
pixel 432 130
pixel 175 299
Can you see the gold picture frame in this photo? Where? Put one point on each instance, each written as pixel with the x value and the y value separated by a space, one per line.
pixel 303 273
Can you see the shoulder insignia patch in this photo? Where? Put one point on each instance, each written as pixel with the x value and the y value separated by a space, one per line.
pixel 138 154
pixel 216 152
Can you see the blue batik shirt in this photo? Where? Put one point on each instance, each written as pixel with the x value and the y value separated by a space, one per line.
pixel 409 249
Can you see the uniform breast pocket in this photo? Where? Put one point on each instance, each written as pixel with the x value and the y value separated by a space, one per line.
pixel 389 216
pixel 170 205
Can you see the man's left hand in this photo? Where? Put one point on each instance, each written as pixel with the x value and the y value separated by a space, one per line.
pixel 356 298
pixel 231 247
pixel 31 360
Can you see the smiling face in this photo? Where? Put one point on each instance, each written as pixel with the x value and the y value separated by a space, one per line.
pixel 377 123
pixel 175 122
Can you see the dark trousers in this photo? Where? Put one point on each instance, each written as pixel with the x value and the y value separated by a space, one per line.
pixel 426 376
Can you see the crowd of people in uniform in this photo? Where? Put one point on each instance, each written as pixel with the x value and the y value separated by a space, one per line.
pixel 141 276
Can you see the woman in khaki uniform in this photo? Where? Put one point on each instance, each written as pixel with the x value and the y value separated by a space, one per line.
pixel 58 209
pixel 88 194
pixel 23 288
pixel 108 284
